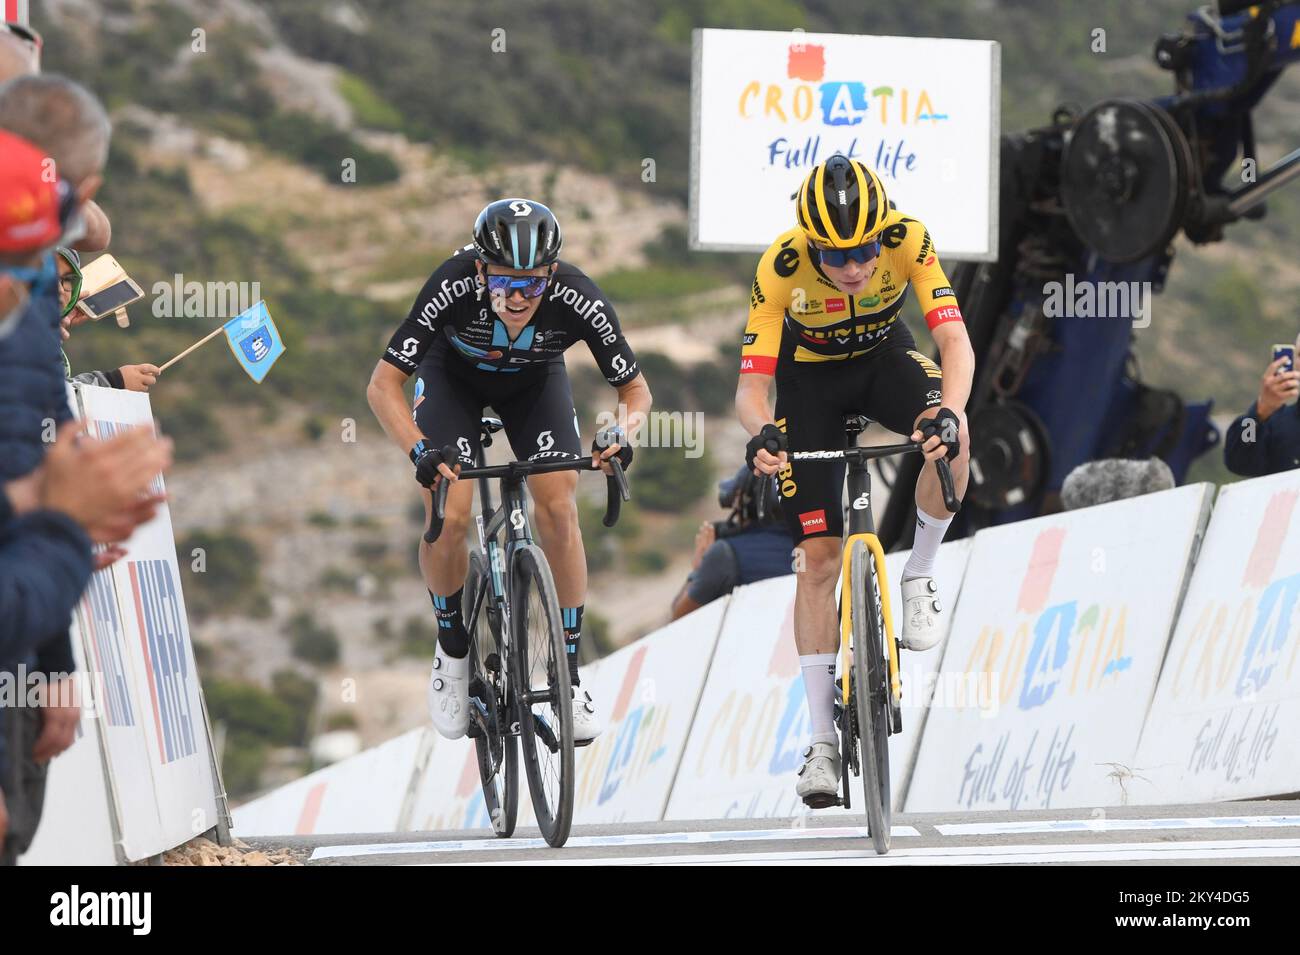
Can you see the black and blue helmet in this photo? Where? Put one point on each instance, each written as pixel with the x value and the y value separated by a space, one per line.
pixel 517 234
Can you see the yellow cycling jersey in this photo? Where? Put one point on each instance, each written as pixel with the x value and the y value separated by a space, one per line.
pixel 797 314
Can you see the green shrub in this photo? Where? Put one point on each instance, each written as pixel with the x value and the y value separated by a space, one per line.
pixel 368 107
pixel 419 638
pixel 229 581
pixel 312 641
pixel 249 709
pixel 299 693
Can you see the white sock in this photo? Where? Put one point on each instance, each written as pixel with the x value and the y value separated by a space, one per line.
pixel 819 686
pixel 929 535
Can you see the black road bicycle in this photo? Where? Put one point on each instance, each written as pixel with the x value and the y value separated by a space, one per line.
pixel 519 684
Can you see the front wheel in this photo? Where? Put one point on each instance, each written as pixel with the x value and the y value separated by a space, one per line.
pixel 543 696
pixel 497 750
pixel 871 691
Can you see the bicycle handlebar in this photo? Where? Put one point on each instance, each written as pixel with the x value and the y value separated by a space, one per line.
pixel 617 489
pixel 946 484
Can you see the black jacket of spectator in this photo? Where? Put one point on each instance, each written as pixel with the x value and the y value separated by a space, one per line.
pixel 1276 446
pixel 33 401
pixel 756 553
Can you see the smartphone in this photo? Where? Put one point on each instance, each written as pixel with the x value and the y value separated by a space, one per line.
pixel 1287 352
pixel 106 288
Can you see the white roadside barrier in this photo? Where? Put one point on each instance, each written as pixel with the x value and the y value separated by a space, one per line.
pixel 365 793
pixel 141 695
pixel 648 693
pixel 1224 721
pixel 1060 630
pixel 752 727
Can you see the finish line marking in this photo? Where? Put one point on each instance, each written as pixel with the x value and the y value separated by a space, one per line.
pixel 1113 825
pixel 610 841
pixel 1032 854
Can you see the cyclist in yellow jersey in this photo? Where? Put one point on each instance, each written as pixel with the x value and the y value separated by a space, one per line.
pixel 823 323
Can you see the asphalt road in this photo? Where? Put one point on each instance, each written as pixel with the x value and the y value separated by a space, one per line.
pixel 1239 833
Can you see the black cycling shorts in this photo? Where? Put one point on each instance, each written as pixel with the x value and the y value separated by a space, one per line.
pixel 892 386
pixel 534 404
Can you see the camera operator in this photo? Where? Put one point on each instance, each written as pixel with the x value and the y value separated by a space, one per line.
pixel 1266 439
pixel 741 549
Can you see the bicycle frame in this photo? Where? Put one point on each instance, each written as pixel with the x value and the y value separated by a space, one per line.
pixel 861 526
pixel 489 522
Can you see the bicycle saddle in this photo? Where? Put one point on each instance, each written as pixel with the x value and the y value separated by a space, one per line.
pixel 855 424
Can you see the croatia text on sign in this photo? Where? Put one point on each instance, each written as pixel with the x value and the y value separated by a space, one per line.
pixel 1223 722
pixel 767 106
pixel 1059 634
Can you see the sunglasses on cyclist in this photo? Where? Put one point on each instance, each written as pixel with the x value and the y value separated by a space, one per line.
pixel 838 258
pixel 530 286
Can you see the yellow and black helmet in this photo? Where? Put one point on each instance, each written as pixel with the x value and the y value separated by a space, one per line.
pixel 842 204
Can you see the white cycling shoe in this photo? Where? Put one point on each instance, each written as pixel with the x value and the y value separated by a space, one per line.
pixel 586 721
pixel 449 695
pixel 921 614
pixel 819 776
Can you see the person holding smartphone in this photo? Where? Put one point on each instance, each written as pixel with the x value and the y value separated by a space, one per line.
pixel 128 377
pixel 1266 439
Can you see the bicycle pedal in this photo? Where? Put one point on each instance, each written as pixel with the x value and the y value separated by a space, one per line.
pixel 579 743
pixel 821 800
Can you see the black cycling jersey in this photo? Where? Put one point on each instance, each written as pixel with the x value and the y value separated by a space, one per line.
pixel 452 315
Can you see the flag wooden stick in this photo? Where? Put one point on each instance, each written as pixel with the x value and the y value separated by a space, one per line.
pixel 202 341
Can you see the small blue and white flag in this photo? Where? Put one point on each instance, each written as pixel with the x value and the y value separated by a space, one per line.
pixel 255 341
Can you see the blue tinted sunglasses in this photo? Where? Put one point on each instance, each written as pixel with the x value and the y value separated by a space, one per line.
pixel 530 286
pixel 838 258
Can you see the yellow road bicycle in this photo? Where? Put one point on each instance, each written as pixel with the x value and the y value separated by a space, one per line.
pixel 869 709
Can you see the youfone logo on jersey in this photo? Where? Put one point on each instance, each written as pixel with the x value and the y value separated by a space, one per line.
pixel 589 310
pixel 448 292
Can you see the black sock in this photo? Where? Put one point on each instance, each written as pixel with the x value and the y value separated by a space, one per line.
pixel 452 637
pixel 572 619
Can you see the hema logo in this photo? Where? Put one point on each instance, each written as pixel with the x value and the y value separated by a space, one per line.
pixel 134 909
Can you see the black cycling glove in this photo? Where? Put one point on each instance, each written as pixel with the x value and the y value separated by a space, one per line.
pixel 771 439
pixel 426 459
pixel 612 436
pixel 947 426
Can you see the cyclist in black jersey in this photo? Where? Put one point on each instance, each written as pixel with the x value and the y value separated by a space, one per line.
pixel 490 328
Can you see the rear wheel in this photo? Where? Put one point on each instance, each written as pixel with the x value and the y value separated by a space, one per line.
pixel 543 696
pixel 498 752
pixel 871 692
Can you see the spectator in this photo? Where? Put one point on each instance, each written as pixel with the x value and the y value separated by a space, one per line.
pixel 129 377
pixel 1266 439
pixel 44 562
pixel 740 550
pixel 16 62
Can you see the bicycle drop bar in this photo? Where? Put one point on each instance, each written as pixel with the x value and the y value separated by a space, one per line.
pixel 616 484
pixel 884 451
